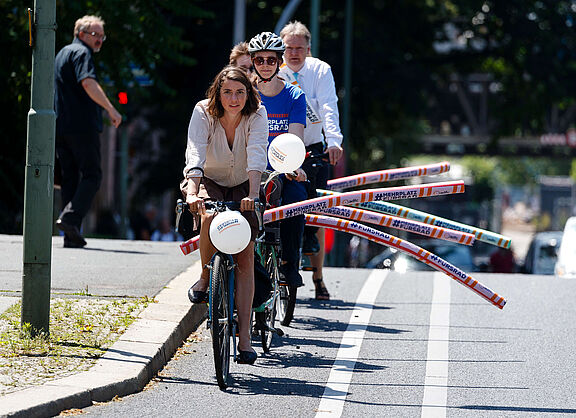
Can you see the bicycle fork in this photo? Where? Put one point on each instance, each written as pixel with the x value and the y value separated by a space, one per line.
pixel 232 316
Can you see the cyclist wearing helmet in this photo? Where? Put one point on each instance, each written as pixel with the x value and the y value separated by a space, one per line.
pixel 286 108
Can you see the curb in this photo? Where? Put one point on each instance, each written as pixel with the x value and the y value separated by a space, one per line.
pixel 128 365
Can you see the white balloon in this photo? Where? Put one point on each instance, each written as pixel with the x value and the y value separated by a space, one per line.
pixel 230 232
pixel 286 153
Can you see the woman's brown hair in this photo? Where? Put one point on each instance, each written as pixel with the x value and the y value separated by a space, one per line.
pixel 215 108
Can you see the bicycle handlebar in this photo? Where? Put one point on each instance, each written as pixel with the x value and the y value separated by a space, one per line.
pixel 220 206
pixel 325 156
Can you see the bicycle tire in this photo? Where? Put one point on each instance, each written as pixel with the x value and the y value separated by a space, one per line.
pixel 266 335
pixel 286 304
pixel 220 324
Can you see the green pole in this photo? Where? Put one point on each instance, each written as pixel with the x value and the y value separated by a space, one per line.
pixel 315 27
pixel 39 180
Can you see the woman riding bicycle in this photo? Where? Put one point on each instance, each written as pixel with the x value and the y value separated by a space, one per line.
pixel 225 158
pixel 286 108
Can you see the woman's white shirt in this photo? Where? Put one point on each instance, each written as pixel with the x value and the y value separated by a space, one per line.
pixel 208 147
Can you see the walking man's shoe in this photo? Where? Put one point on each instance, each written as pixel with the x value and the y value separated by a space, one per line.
pixel 73 238
pixel 72 244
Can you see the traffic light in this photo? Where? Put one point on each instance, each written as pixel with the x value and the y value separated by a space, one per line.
pixel 123 98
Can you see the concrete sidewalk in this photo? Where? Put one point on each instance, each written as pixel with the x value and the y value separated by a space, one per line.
pixel 149 343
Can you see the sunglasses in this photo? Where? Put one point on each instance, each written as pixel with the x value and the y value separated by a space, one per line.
pixel 97 35
pixel 267 60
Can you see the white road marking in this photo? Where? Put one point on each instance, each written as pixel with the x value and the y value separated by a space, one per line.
pixel 436 382
pixel 334 397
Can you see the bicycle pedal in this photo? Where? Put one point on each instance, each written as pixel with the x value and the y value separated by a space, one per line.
pixel 309 268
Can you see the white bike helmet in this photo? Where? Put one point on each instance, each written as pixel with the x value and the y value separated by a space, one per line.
pixel 266 41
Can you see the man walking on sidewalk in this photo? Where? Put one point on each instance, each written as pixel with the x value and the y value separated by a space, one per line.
pixel 322 132
pixel 78 102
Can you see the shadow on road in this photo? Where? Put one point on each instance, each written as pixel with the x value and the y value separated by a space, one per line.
pixel 117 251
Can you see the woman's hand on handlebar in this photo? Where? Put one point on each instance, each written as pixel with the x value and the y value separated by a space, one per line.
pixel 195 204
pixel 300 175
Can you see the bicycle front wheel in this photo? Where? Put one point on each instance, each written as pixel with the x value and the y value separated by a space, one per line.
pixel 220 324
pixel 286 303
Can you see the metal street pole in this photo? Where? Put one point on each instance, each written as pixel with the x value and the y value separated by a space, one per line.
pixel 286 15
pixel 39 180
pixel 315 27
pixel 341 167
pixel 239 21
pixel 349 27
pixel 124 142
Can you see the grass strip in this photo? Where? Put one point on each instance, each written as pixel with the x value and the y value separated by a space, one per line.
pixel 80 331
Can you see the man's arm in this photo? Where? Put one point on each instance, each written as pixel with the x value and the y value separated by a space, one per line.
pixel 329 112
pixel 96 93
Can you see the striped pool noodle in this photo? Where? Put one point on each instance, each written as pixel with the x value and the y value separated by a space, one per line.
pixel 415 215
pixel 411 249
pixel 360 196
pixel 314 205
pixel 388 175
pixel 191 245
pixel 400 223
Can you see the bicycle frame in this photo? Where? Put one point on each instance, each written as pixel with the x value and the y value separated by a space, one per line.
pixel 267 250
pixel 261 247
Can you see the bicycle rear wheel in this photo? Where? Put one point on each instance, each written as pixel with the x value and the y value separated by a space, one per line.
pixel 269 315
pixel 220 324
pixel 286 303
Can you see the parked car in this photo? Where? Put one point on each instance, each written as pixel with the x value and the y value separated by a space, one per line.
pixel 566 263
pixel 456 254
pixel 542 253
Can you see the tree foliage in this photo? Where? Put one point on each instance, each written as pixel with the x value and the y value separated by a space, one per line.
pixel 148 34
pixel 529 47
pixel 405 55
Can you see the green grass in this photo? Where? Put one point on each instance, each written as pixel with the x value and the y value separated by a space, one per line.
pixel 80 331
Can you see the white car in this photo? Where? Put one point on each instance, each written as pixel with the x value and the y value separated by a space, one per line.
pixel 542 253
pixel 566 264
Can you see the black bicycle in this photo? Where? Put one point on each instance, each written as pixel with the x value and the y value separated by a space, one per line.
pixel 270 249
pixel 222 315
pixel 267 250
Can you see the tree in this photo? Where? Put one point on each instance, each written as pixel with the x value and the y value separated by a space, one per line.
pixel 142 33
pixel 405 56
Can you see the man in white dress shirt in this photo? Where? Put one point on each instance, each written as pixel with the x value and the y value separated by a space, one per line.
pixel 322 132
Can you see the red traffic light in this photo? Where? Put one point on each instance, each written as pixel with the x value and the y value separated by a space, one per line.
pixel 123 97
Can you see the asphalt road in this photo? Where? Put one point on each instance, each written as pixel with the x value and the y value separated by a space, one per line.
pixel 391 345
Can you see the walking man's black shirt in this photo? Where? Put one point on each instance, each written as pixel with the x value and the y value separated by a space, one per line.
pixel 76 112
